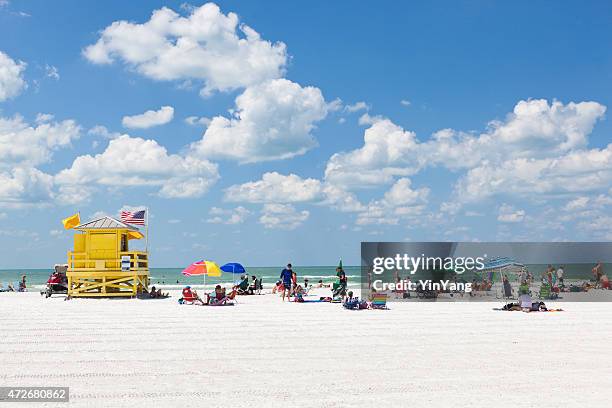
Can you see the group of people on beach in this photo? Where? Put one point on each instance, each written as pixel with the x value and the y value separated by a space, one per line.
pixel 288 285
pixel 220 296
pixel 19 286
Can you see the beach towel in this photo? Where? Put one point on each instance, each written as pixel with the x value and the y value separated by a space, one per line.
pixel 379 301
pixel 219 304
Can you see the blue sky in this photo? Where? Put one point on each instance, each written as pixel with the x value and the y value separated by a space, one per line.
pixel 314 128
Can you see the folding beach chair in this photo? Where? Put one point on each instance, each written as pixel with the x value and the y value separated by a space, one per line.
pixel 379 301
pixel 4 287
pixel 257 287
pixel 17 286
pixel 546 292
pixel 338 289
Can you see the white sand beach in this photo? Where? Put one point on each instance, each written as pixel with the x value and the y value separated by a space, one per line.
pixel 263 352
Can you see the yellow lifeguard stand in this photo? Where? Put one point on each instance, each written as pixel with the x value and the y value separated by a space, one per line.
pixel 102 265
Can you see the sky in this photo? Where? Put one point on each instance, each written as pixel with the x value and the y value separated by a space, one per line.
pixel 273 132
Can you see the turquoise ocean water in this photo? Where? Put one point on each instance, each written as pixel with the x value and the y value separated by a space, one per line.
pixel 172 276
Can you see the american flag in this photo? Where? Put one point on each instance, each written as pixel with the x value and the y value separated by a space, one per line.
pixel 133 217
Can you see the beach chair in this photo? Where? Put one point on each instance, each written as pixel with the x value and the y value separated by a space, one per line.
pixel 546 292
pixel 257 287
pixel 226 301
pixel 17 286
pixel 339 289
pixel 4 287
pixel 379 301
pixel 243 287
pixel 189 298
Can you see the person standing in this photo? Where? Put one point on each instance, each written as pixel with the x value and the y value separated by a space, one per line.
pixel 560 272
pixel 597 272
pixel 286 277
pixel 293 281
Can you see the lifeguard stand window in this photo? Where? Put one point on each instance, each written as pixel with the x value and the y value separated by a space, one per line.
pixel 124 243
pixel 103 246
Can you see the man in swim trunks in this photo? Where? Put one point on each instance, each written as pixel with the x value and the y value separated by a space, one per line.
pixel 286 277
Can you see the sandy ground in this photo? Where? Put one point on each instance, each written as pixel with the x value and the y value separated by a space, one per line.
pixel 115 353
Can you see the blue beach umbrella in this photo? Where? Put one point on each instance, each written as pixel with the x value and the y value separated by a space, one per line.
pixel 233 267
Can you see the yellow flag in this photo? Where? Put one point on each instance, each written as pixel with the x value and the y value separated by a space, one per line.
pixel 71 221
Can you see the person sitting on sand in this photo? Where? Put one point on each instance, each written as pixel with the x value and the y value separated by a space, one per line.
pixel 191 296
pixel 604 282
pixel 243 286
pixel 277 287
pixel 22 284
pixel 352 302
pixel 219 297
pixel 525 302
pixel 253 286
pixel 157 293
pixel 320 284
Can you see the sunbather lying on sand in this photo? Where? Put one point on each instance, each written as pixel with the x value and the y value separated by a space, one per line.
pixel 524 307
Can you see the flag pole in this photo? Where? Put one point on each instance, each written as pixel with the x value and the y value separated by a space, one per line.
pixel 147 232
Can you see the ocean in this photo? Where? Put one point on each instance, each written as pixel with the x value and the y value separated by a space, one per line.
pixel 173 279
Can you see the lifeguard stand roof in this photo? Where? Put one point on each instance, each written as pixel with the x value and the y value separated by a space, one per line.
pixel 105 223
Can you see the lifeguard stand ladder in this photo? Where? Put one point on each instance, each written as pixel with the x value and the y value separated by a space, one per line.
pixel 101 265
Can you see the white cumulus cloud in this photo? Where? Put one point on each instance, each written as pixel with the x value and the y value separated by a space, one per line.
pixel 388 151
pixel 535 130
pixel 129 161
pixel 508 213
pixel 197 121
pixel 282 216
pixel 11 77
pixel 275 188
pixel 206 45
pixel 150 118
pixel 228 216
pixel 272 121
pixel 25 144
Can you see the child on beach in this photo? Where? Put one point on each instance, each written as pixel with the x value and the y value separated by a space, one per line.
pixel 277 287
